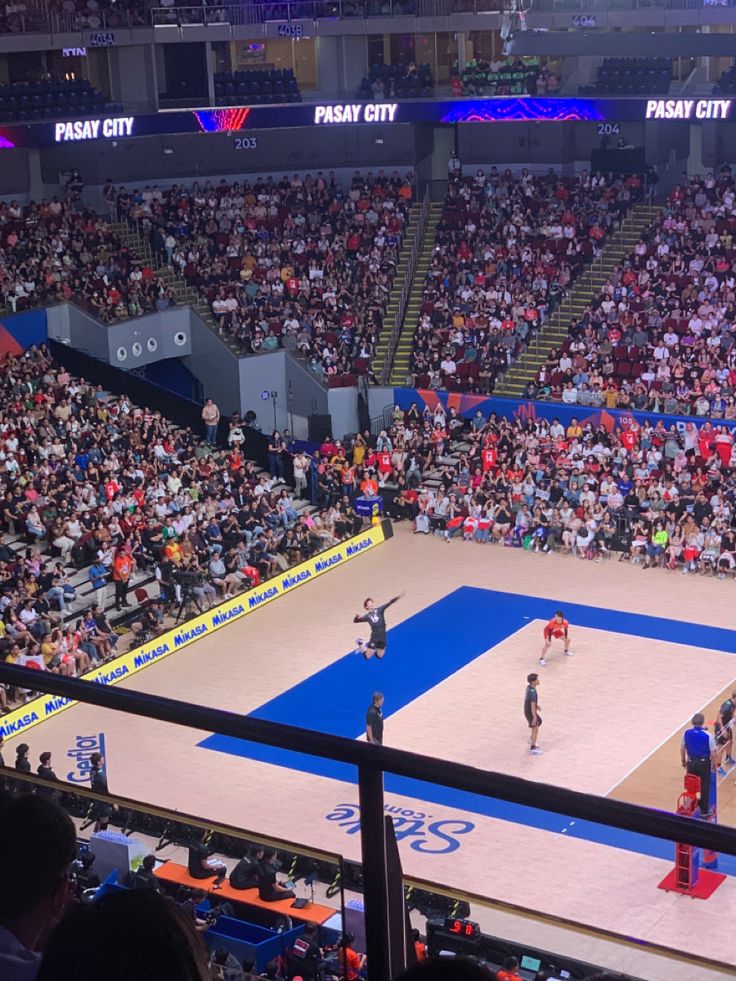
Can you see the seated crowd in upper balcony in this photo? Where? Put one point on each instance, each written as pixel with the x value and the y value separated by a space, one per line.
pixel 301 263
pixel 55 250
pixel 660 336
pixel 506 249
pixel 506 76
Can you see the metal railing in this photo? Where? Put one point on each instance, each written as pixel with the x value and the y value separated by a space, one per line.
pixel 405 289
pixel 372 763
pixel 37 21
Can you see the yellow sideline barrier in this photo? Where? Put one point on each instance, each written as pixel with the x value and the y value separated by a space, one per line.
pixel 46 706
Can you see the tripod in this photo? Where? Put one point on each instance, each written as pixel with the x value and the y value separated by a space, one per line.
pixel 188 604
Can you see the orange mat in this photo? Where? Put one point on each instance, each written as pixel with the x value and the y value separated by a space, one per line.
pixel 173 872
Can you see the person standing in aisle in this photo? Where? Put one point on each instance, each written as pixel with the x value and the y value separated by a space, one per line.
pixel 454 167
pixel 699 756
pixel 122 570
pixel 531 712
pixel 210 418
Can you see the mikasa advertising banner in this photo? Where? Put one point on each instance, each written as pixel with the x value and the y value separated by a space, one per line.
pixel 46 706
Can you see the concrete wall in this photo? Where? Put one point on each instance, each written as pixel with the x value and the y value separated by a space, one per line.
pixel 130 344
pixel 308 395
pixel 215 366
pixel 207 154
pixel 236 384
pixel 260 375
pixel 299 392
pixel 14 172
pixel 378 398
pixel 132 76
pixel 343 403
pixel 328 52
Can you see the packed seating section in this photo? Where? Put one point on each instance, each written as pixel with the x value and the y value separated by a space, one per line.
pixel 63 16
pixel 51 251
pixel 520 76
pixel 655 494
pixel 304 264
pixel 506 249
pixel 92 485
pixel 660 336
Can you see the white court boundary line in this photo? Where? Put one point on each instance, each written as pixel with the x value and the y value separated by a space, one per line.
pixel 659 745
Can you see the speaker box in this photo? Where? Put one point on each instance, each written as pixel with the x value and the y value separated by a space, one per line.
pixel 320 427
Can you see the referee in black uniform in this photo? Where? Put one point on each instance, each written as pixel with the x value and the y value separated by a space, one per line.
pixel 374 719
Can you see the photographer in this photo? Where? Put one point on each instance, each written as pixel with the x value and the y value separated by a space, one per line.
pixel 193 583
pixel 149 624
pixel 167 578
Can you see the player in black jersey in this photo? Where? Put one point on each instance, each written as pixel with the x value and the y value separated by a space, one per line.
pixel 375 616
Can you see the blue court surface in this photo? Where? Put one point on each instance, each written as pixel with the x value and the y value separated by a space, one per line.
pixel 426 650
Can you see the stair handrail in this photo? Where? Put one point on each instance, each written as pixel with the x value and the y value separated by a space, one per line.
pixel 405 289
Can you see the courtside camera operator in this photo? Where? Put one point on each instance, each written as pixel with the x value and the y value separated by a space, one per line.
pixel 193 590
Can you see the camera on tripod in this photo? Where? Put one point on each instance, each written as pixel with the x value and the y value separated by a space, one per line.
pixel 187 581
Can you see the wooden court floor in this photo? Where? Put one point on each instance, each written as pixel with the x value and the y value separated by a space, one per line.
pixel 613 716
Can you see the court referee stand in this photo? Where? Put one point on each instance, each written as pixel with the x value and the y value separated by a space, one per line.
pixel 699 756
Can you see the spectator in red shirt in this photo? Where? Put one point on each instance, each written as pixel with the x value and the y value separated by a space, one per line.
pixel 351 962
pixel 509 971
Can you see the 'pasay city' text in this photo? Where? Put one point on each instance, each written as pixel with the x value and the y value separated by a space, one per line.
pixel 688 108
pixel 356 112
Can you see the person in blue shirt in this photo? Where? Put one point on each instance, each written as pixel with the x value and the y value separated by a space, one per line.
pixel 699 756
pixel 98 576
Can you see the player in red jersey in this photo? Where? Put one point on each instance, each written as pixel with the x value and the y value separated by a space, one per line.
pixel 557 629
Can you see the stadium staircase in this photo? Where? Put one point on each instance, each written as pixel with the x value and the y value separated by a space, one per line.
pixel 186 295
pixel 139 246
pixel 399 369
pixel 617 248
pixel 394 300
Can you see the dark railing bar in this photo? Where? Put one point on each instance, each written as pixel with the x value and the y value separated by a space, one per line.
pixel 559 800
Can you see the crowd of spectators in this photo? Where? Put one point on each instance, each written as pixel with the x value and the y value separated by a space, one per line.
pixel 656 495
pixel 506 249
pixel 21 17
pixel 660 335
pixel 303 264
pixel 51 251
pixel 504 76
pixel 186 11
pixel 98 493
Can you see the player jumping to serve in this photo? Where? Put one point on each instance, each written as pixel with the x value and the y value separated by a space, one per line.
pixel 557 629
pixel 375 616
